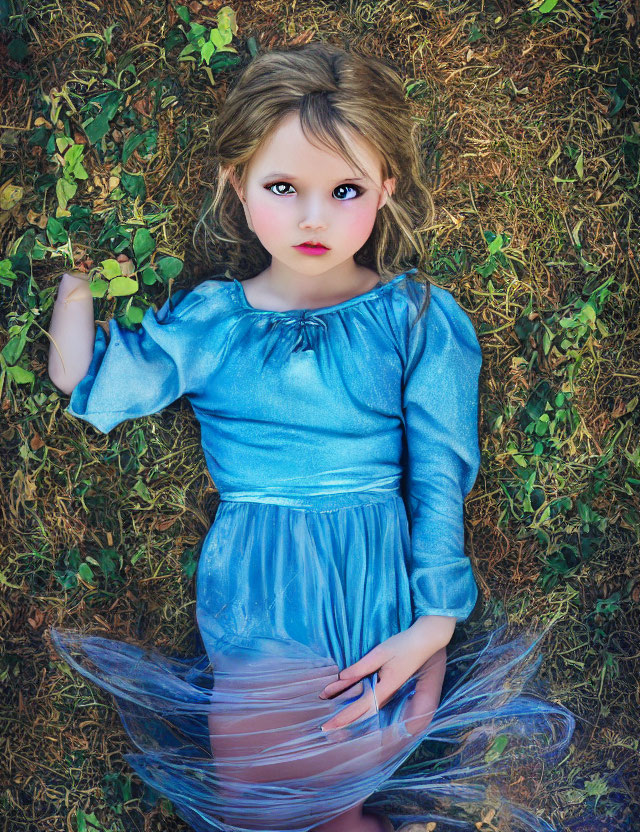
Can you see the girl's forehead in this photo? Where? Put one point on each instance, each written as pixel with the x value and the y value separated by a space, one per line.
pixel 288 154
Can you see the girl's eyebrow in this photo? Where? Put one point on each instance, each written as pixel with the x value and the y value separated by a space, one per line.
pixel 293 178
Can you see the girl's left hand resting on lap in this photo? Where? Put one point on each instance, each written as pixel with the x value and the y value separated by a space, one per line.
pixel 396 659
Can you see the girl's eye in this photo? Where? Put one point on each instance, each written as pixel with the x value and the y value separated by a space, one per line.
pixel 355 188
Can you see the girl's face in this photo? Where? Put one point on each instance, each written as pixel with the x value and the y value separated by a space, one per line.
pixel 297 192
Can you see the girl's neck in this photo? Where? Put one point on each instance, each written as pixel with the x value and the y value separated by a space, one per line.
pixel 281 289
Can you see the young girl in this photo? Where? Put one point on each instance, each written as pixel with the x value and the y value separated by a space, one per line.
pixel 337 394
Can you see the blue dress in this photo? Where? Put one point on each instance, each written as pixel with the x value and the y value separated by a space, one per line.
pixel 342 441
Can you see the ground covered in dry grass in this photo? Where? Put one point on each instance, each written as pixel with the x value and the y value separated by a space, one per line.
pixel 532 143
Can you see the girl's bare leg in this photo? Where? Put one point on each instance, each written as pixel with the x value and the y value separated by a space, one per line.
pixel 245 737
pixel 418 715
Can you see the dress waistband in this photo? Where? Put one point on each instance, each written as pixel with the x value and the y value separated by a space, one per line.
pixel 318 502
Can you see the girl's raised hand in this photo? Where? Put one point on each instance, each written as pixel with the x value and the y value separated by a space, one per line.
pixel 396 659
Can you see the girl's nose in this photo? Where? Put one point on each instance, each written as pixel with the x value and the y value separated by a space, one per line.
pixel 314 215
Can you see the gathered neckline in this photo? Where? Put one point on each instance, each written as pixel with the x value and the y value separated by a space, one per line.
pixel 376 290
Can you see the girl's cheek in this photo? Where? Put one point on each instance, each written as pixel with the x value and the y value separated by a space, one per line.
pixel 266 222
pixel 359 224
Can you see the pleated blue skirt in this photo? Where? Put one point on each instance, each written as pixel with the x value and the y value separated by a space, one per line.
pixel 287 596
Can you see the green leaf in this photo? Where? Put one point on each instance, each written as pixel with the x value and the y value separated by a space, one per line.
pixel 133 184
pixel 12 350
pixel 188 50
pixel 496 748
pixel 548 6
pixel 131 143
pixel 216 38
pixel 135 314
pixel 226 19
pixel 169 267
pixel 111 268
pixel 572 797
pixel 85 572
pixel 596 787
pixel 588 312
pixel 197 30
pixel 97 128
pixel 141 489
pixel 65 190
pixel 62 143
pixel 98 287
pixel 143 246
pixel 73 155
pixel 56 232
pixel 183 13
pixel 122 286
pixel 110 562
pixel 93 820
pixel 149 276
pixel 79 172
pixel 20 375
pixel 189 563
pixel 207 51
pixel 496 245
pixel 7 275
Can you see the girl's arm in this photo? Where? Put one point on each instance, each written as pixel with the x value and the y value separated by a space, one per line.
pixel 72 331
pixel 115 373
pixel 440 404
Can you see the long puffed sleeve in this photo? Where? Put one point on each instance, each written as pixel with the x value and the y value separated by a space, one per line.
pixel 139 371
pixel 440 406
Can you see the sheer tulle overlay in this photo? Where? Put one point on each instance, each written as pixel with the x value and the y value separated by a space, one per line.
pixel 233 737
pixel 343 441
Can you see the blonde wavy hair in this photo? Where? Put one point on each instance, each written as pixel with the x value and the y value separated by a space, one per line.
pixel 332 89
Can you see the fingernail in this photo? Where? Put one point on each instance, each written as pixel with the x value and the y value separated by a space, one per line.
pixel 322 696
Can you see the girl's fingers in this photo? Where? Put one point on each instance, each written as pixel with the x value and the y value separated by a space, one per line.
pixel 351 713
pixel 390 679
pixel 388 683
pixel 337 686
pixel 369 663
pixel 393 669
